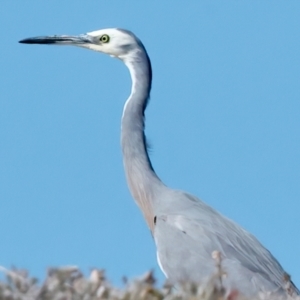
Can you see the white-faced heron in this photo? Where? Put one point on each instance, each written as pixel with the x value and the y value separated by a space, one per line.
pixel 186 230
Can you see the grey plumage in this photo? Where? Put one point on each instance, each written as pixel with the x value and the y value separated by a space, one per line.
pixel 250 267
pixel 186 230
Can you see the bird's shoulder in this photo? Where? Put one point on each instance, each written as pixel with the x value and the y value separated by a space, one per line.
pixel 205 228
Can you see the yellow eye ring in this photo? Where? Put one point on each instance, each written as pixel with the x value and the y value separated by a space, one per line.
pixel 104 38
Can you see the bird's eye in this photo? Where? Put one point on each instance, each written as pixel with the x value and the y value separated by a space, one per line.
pixel 104 38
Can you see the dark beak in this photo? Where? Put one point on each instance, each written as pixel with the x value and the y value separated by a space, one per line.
pixel 59 40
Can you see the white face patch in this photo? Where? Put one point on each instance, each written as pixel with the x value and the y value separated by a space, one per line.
pixel 119 44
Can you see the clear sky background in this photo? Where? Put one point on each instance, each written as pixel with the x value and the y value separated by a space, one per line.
pixel 223 122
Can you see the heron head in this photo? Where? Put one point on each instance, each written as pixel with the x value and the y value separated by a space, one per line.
pixel 118 43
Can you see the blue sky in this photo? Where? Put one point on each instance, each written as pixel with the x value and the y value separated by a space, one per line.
pixel 223 123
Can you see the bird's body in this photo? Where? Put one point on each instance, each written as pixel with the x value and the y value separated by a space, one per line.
pixel 186 230
pixel 189 231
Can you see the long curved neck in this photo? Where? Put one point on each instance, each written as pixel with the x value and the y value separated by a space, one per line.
pixel 142 180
